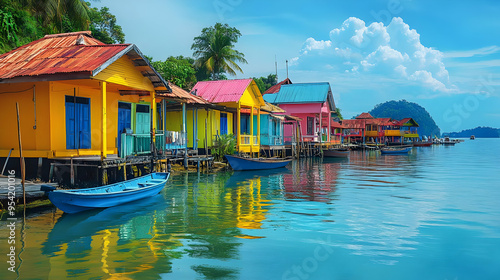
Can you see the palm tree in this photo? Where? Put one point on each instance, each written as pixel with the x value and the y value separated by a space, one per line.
pixel 54 12
pixel 214 50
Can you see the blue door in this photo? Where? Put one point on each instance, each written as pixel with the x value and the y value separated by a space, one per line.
pixel 124 120
pixel 223 123
pixel 77 123
pixel 245 124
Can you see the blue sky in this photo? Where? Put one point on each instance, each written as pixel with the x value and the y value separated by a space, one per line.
pixel 443 55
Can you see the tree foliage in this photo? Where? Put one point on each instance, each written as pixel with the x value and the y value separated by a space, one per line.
pixel 403 109
pixel 178 70
pixel 214 50
pixel 264 83
pixel 104 27
pixel 24 21
pixel 478 132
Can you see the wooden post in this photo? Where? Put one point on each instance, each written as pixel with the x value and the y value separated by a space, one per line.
pixel 72 173
pixel 251 131
pixel 258 130
pixel 238 127
pixel 206 136
pixel 103 122
pixel 21 158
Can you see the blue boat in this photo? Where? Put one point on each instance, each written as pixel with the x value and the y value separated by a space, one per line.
pixel 242 163
pixel 73 201
pixel 395 151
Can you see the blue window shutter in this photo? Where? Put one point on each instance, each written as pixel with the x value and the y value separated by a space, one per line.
pixel 70 126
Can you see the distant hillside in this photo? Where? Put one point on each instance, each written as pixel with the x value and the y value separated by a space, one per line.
pixel 479 132
pixel 403 109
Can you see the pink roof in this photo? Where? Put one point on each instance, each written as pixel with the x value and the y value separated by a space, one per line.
pixel 222 91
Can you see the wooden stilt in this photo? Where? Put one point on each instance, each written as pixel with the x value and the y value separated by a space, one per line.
pixel 21 158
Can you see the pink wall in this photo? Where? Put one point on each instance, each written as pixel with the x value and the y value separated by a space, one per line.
pixel 303 111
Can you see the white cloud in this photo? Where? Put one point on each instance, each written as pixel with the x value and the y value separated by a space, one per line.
pixel 394 51
pixel 472 53
pixel 312 44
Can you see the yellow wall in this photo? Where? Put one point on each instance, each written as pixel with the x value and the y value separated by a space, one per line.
pixel 36 142
pixel 123 72
pixel 174 123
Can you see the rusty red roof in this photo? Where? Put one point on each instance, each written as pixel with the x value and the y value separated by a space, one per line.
pixel 365 116
pixel 75 52
pixel 276 87
pixel 354 124
pixel 222 91
pixel 179 93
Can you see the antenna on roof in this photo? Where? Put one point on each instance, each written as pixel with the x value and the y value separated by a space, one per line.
pixel 276 66
pixel 287 68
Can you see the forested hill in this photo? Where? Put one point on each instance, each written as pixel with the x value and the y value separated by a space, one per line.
pixel 478 132
pixel 403 109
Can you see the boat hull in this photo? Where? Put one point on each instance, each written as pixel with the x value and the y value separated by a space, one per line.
pixel 403 151
pixel 424 144
pixel 239 163
pixel 73 201
pixel 336 153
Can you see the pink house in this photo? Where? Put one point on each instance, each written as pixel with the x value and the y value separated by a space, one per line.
pixel 311 102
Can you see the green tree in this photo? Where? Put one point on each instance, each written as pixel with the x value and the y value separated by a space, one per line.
pixel 103 26
pixel 178 70
pixel 264 83
pixel 55 13
pixel 214 50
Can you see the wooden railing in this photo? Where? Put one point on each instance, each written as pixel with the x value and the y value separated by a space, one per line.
pixel 137 144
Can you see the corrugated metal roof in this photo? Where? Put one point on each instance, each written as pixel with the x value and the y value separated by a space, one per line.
pixel 365 116
pixel 354 124
pixel 75 52
pixel 179 93
pixel 302 93
pixel 222 91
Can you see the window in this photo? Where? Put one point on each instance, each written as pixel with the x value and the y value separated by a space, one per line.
pixel 310 126
pixel 77 123
pixel 245 124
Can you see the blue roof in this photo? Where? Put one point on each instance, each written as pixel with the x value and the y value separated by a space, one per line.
pixel 302 94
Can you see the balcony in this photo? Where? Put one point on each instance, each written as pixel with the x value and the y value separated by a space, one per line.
pixel 137 144
pixel 393 132
pixel 249 143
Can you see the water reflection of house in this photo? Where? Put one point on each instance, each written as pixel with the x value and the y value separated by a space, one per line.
pixel 314 182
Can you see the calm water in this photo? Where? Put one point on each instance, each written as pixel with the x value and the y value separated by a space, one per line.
pixel 434 214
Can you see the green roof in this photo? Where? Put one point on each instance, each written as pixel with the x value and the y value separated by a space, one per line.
pixel 302 94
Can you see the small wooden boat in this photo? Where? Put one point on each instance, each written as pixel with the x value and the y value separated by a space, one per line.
pixel 242 163
pixel 472 137
pixel 422 144
pixel 337 153
pixel 395 151
pixel 73 201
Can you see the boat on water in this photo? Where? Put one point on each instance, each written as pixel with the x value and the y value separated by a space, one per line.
pixel 472 137
pixel 448 141
pixel 395 151
pixel 243 163
pixel 336 153
pixel 77 200
pixel 422 144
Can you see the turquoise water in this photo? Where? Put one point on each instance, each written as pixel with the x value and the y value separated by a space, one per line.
pixel 434 214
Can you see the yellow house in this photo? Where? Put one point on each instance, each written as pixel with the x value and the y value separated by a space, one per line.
pixel 76 96
pixel 244 100
pixel 192 116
